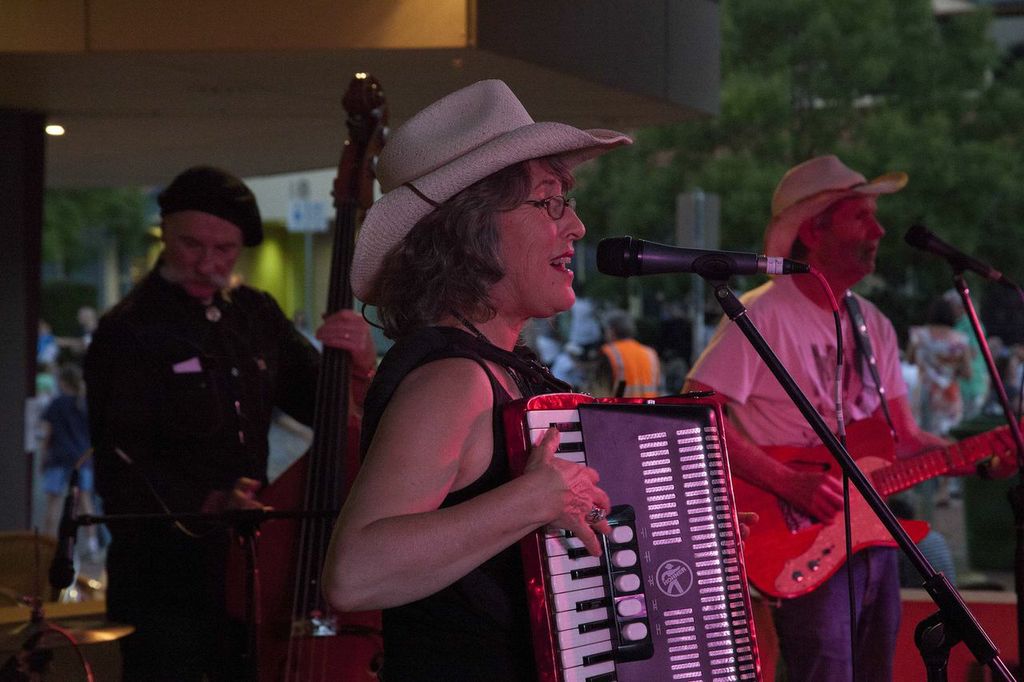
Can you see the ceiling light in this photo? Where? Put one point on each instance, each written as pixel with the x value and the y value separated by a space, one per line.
pixel 54 130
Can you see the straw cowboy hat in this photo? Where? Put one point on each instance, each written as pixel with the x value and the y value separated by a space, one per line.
pixel 456 141
pixel 809 188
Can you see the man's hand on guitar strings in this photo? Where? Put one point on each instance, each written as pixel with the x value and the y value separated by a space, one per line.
pixel 1001 465
pixel 813 493
pixel 1003 462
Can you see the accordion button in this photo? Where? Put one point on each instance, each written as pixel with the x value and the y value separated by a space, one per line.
pixel 630 607
pixel 624 558
pixel 627 582
pixel 634 632
pixel 622 534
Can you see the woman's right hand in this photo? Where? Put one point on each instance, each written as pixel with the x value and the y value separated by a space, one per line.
pixel 573 490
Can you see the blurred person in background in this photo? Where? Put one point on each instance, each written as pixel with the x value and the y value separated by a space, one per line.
pixel 634 368
pixel 942 356
pixel 973 388
pixel 1009 361
pixel 77 346
pixel 576 363
pixel 64 427
pixel 88 320
pixel 47 348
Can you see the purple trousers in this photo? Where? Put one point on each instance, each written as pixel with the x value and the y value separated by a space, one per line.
pixel 814 630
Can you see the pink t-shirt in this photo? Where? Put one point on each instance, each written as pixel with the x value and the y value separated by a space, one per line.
pixel 803 335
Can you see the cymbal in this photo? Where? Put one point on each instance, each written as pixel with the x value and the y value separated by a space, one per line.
pixel 47 637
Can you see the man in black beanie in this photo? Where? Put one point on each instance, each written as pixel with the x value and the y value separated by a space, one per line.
pixel 183 376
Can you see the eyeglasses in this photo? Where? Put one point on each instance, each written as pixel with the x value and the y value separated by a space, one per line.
pixel 555 206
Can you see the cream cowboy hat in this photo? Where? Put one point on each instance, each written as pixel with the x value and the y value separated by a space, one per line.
pixel 456 141
pixel 811 187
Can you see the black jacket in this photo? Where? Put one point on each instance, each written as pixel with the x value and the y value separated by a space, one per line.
pixel 188 399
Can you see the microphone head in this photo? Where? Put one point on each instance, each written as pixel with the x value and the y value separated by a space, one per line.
pixel 617 256
pixel 918 236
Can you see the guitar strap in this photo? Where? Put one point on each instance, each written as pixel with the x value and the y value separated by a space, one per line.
pixel 860 335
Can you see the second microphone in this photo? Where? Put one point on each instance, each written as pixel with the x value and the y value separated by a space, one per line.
pixel 627 256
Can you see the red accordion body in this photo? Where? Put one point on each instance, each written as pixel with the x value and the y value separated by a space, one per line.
pixel 668 599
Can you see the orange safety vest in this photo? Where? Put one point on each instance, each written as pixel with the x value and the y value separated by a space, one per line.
pixel 635 364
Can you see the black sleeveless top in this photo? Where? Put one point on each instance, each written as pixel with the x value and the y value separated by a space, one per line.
pixel 478 627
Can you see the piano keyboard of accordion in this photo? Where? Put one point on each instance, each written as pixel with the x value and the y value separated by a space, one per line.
pixel 668 599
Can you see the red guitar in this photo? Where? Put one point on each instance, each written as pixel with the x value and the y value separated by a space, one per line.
pixel 789 554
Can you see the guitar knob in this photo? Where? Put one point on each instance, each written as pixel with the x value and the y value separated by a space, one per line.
pixel 814 564
pixel 798 577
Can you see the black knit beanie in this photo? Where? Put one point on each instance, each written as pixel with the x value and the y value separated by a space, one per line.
pixel 217 192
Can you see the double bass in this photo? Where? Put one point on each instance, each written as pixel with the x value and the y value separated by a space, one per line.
pixel 298 637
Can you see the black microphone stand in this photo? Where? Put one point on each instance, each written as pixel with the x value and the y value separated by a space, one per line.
pixel 246 523
pixel 62 568
pixel 1016 493
pixel 953 622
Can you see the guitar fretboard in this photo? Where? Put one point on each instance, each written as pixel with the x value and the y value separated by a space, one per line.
pixel 909 472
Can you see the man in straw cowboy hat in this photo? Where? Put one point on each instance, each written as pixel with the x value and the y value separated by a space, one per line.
pixel 824 214
pixel 472 238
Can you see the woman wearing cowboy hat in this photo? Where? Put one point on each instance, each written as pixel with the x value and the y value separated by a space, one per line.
pixel 472 238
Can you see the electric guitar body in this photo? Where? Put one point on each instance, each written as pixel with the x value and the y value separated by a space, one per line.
pixel 790 554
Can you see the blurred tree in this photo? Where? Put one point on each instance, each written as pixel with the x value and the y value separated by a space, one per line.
pixel 79 224
pixel 885 86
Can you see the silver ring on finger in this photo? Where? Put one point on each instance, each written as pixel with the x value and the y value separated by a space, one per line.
pixel 595 515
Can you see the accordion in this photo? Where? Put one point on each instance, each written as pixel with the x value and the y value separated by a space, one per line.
pixel 668 599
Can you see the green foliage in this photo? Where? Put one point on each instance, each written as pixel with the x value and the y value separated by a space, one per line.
pixel 885 86
pixel 60 302
pixel 78 222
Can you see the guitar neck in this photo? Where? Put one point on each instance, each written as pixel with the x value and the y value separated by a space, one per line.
pixel 906 473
